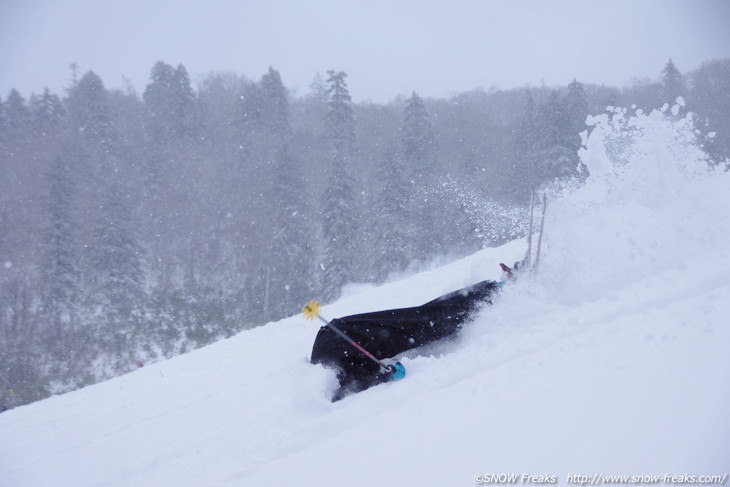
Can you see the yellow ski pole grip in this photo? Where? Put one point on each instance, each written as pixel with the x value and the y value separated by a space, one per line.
pixel 311 310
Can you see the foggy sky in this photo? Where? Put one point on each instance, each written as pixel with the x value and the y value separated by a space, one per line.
pixel 387 47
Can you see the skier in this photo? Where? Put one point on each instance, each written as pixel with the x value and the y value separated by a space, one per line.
pixel 358 346
pixel 385 334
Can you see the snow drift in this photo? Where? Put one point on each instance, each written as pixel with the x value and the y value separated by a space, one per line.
pixel 615 361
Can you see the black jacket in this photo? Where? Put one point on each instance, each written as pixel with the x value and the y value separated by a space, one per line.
pixel 389 333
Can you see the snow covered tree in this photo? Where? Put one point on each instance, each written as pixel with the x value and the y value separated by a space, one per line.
pixel 184 103
pixel 3 122
pixel 117 256
pixel 710 98
pixel 47 113
pixel 392 244
pixel 275 103
pixel 576 107
pixel 48 128
pixel 170 103
pixel 292 242
pixel 523 171
pixel 23 378
pixel 261 118
pixel 547 139
pixel 16 120
pixel 280 256
pixel 247 113
pixel 418 142
pixel 424 216
pixel 340 118
pixel 90 114
pixel 339 230
pixel 116 274
pixel 60 271
pixel 576 110
pixel 553 151
pixel 64 341
pixel 172 159
pixel 340 213
pixel 673 83
pixel 291 246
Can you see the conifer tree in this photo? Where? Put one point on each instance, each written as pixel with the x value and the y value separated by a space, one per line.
pixel 424 217
pixel 117 277
pixel 48 127
pixel 711 103
pixel 292 243
pixel 673 83
pixel 171 162
pixel 157 98
pixel 275 103
pixel 553 146
pixel 392 244
pixel 90 114
pixel 340 213
pixel 60 274
pixel 280 249
pixel 47 113
pixel 3 124
pixel 261 117
pixel 184 104
pixel 340 118
pixel 576 109
pixel 291 247
pixel 170 103
pixel 23 356
pixel 418 142
pixel 60 269
pixel 16 120
pixel 523 168
pixel 117 256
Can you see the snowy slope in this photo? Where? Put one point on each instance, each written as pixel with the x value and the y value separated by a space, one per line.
pixel 615 361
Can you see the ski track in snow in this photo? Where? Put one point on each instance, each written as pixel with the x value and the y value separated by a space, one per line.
pixel 614 361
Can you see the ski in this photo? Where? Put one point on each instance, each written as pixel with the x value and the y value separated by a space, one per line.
pixel 539 239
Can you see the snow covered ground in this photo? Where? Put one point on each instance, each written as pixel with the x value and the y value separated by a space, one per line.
pixel 616 361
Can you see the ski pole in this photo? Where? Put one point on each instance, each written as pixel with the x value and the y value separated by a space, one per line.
pixel 311 311
pixel 528 260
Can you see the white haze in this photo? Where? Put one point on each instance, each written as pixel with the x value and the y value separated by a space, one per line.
pixel 387 48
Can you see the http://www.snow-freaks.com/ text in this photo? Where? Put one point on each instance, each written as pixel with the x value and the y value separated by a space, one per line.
pixel 599 479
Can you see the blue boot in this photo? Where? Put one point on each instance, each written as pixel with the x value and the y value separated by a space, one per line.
pixel 396 371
